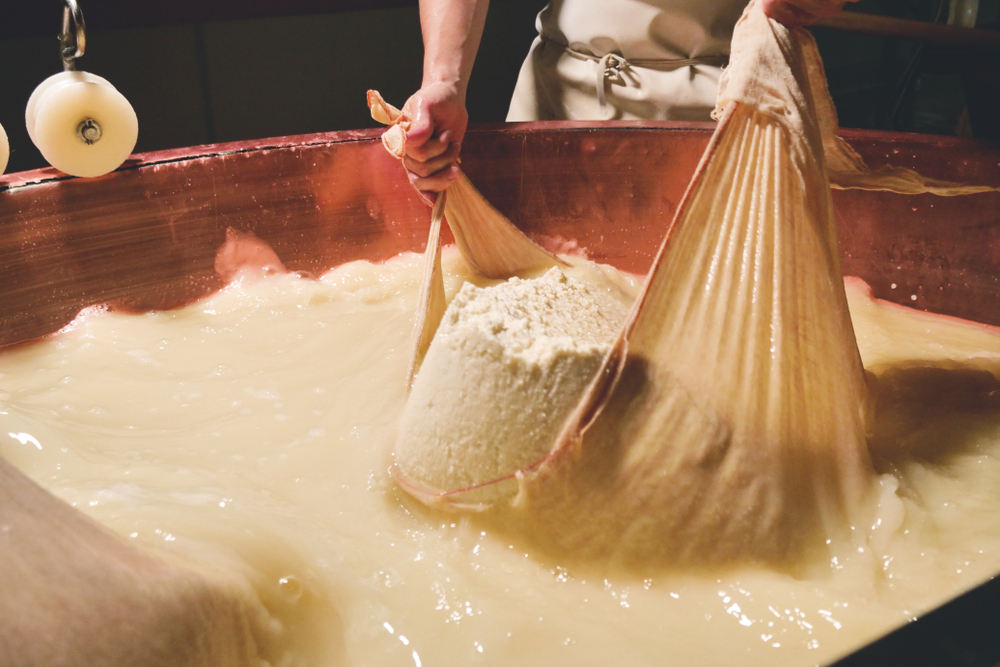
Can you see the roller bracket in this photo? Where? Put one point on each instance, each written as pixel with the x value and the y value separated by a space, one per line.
pixel 73 39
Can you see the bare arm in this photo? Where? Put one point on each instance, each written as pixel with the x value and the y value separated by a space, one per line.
pixel 452 30
pixel 796 13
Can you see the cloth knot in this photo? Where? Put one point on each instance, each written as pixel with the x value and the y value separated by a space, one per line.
pixel 610 67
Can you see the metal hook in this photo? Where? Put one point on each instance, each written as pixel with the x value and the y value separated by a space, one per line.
pixel 73 40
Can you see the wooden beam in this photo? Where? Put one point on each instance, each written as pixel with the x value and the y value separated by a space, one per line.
pixel 918 31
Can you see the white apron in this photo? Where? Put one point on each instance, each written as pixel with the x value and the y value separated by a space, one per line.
pixel 625 60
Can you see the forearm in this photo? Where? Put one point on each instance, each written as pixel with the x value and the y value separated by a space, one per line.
pixel 452 30
pixel 795 13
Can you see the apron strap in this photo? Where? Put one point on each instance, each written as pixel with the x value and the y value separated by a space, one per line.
pixel 613 65
pixel 610 66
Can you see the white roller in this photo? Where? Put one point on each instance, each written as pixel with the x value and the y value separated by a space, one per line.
pixel 60 110
pixel 53 82
pixel 4 149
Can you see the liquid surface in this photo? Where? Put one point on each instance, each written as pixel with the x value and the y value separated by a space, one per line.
pixel 256 428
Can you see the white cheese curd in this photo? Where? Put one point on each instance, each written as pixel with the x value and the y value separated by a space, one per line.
pixel 253 431
pixel 507 365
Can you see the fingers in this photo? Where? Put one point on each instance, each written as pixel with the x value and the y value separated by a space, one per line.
pixel 432 165
pixel 428 150
pixel 437 182
pixel 423 140
pixel 437 124
pixel 786 13
pixel 421 127
pixel 797 13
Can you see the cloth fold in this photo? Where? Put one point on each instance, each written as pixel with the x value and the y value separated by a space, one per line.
pixel 772 58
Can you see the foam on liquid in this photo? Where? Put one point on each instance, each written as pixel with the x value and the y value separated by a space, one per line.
pixel 253 429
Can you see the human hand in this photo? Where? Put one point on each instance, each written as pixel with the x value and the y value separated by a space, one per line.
pixel 797 13
pixel 437 126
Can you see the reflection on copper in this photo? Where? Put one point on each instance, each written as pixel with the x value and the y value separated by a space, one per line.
pixel 245 255
pixel 146 236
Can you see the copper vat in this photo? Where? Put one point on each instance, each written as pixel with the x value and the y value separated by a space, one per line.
pixel 144 237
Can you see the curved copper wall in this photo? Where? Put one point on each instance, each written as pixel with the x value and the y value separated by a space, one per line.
pixel 145 236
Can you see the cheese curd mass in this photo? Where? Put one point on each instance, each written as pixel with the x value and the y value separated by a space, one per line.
pixel 253 431
pixel 507 365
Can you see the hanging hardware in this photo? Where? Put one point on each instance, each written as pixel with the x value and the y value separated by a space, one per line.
pixel 73 39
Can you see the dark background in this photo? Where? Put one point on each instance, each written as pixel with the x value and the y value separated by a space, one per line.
pixel 206 71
